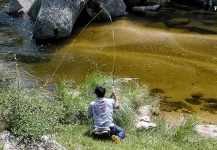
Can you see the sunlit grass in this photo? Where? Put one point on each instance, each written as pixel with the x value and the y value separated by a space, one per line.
pixel 30 114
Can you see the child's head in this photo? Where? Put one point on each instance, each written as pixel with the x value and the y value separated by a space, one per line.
pixel 100 91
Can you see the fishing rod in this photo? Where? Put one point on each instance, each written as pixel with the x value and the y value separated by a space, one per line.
pixel 114 50
pixel 114 47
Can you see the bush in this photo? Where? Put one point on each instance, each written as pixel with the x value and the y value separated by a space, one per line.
pixel 28 116
pixel 185 128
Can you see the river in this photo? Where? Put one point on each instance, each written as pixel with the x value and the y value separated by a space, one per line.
pixel 176 60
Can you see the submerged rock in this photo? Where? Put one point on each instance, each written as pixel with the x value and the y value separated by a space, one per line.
pixel 193 101
pixel 178 21
pixel 203 30
pixel 209 22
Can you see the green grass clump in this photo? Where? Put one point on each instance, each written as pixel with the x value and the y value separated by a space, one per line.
pixel 76 100
pixel 28 116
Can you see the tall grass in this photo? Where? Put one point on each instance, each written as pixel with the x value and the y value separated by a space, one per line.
pixel 28 115
pixel 76 106
pixel 28 112
pixel 31 113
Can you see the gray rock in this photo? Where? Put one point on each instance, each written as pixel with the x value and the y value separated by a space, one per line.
pixel 145 125
pixel 207 130
pixel 146 8
pixel 34 9
pixel 56 18
pixel 13 7
pixel 209 22
pixel 157 2
pixel 143 118
pixel 112 8
pixel 45 143
pixel 8 142
pixel 144 111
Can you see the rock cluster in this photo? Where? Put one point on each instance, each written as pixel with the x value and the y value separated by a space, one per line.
pixel 56 18
pixel 144 114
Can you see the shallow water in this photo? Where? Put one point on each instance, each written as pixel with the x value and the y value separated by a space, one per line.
pixel 177 60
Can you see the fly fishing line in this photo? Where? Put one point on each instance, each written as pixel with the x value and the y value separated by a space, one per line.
pixel 114 48
pixel 114 51
pixel 71 46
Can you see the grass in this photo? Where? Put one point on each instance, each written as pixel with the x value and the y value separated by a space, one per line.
pixel 132 95
pixel 78 137
pixel 31 113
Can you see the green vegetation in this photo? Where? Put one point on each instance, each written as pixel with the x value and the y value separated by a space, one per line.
pixel 27 113
pixel 33 112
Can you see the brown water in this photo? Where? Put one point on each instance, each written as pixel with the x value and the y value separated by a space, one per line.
pixel 178 61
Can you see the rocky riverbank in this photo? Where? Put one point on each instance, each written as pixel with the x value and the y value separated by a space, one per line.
pixel 56 19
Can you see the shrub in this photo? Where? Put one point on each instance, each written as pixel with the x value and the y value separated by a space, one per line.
pixel 185 127
pixel 181 131
pixel 28 115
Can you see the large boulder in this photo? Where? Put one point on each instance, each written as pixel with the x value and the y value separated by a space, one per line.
pixel 34 9
pixel 13 7
pixel 56 18
pixel 111 8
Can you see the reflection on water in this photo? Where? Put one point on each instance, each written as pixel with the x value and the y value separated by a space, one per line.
pixel 172 51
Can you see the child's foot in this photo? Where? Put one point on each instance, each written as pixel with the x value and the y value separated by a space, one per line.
pixel 116 139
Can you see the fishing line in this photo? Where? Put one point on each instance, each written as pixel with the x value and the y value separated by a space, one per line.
pixel 71 46
pixel 114 55
pixel 113 36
